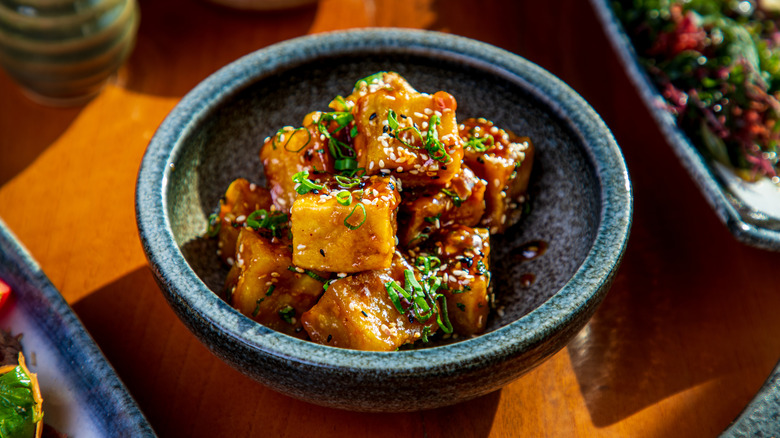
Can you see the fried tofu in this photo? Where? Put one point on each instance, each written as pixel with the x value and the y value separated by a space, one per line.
pixel 292 150
pixel 357 312
pixel 424 211
pixel 405 133
pixel 504 161
pixel 241 199
pixel 264 285
pixel 346 229
pixel 463 253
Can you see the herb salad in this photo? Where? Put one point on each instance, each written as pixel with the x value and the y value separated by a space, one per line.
pixel 373 231
pixel 717 64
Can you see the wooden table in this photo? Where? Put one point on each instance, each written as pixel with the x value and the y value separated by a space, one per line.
pixel 681 344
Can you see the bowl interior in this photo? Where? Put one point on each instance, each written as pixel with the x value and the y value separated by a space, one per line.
pixel 564 192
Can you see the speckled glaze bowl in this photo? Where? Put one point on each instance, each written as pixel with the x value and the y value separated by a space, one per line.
pixel 62 52
pixel 581 206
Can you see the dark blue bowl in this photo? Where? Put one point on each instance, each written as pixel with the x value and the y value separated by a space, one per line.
pixel 580 197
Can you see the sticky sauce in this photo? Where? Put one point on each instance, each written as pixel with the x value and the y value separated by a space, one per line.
pixel 530 250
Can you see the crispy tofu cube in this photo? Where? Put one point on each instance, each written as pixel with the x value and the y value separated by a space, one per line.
pixel 292 150
pixel 464 253
pixel 264 285
pixel 346 229
pixel 411 135
pixel 423 212
pixel 504 160
pixel 356 312
pixel 241 199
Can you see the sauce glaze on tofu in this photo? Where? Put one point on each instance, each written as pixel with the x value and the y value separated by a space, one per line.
pixel 373 232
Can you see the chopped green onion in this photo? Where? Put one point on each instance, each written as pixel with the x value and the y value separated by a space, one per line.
pixel 347 163
pixel 344 197
pixel 347 182
pixel 433 219
pixel 481 269
pixel 455 198
pixel 479 144
pixel 305 184
pixel 346 219
pixel 214 224
pixel 315 276
pixel 273 220
pixel 461 306
pixel 287 313
pixel 392 120
pixel 443 318
pixel 393 291
pixel 280 133
pixel 366 81
pixel 257 307
pixel 270 290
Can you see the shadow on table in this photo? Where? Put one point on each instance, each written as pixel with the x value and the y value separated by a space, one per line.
pixel 178 35
pixel 184 390
pixel 16 113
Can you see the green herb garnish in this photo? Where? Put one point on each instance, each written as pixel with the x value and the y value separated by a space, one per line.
pixel 287 313
pixel 213 226
pixel 270 220
pixel 280 137
pixel 20 401
pixel 346 219
pixel 455 198
pixel 305 184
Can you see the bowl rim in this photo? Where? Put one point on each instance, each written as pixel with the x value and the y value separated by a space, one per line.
pixel 585 289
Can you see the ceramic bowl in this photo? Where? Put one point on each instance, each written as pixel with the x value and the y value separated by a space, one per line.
pixel 581 206
pixel 751 211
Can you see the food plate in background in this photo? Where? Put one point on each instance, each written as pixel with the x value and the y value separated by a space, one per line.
pixel 82 395
pixel 750 211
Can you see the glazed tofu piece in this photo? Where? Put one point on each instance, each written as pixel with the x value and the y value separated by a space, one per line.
pixel 421 213
pixel 264 285
pixel 405 133
pixel 464 253
pixel 504 161
pixel 357 312
pixel 241 199
pixel 346 227
pixel 292 150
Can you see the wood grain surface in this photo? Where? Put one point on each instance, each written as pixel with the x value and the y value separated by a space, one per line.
pixel 684 339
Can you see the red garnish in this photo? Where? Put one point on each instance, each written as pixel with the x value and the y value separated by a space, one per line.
pixel 5 292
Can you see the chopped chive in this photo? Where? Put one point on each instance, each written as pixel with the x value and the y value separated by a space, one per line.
pixel 455 198
pixel 368 80
pixel 344 197
pixel 280 133
pixel 257 307
pixel 305 184
pixel 346 219
pixel 214 224
pixel 263 219
pixel 433 219
pixel 287 313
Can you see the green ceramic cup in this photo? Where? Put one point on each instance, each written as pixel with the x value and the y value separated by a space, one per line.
pixel 62 52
